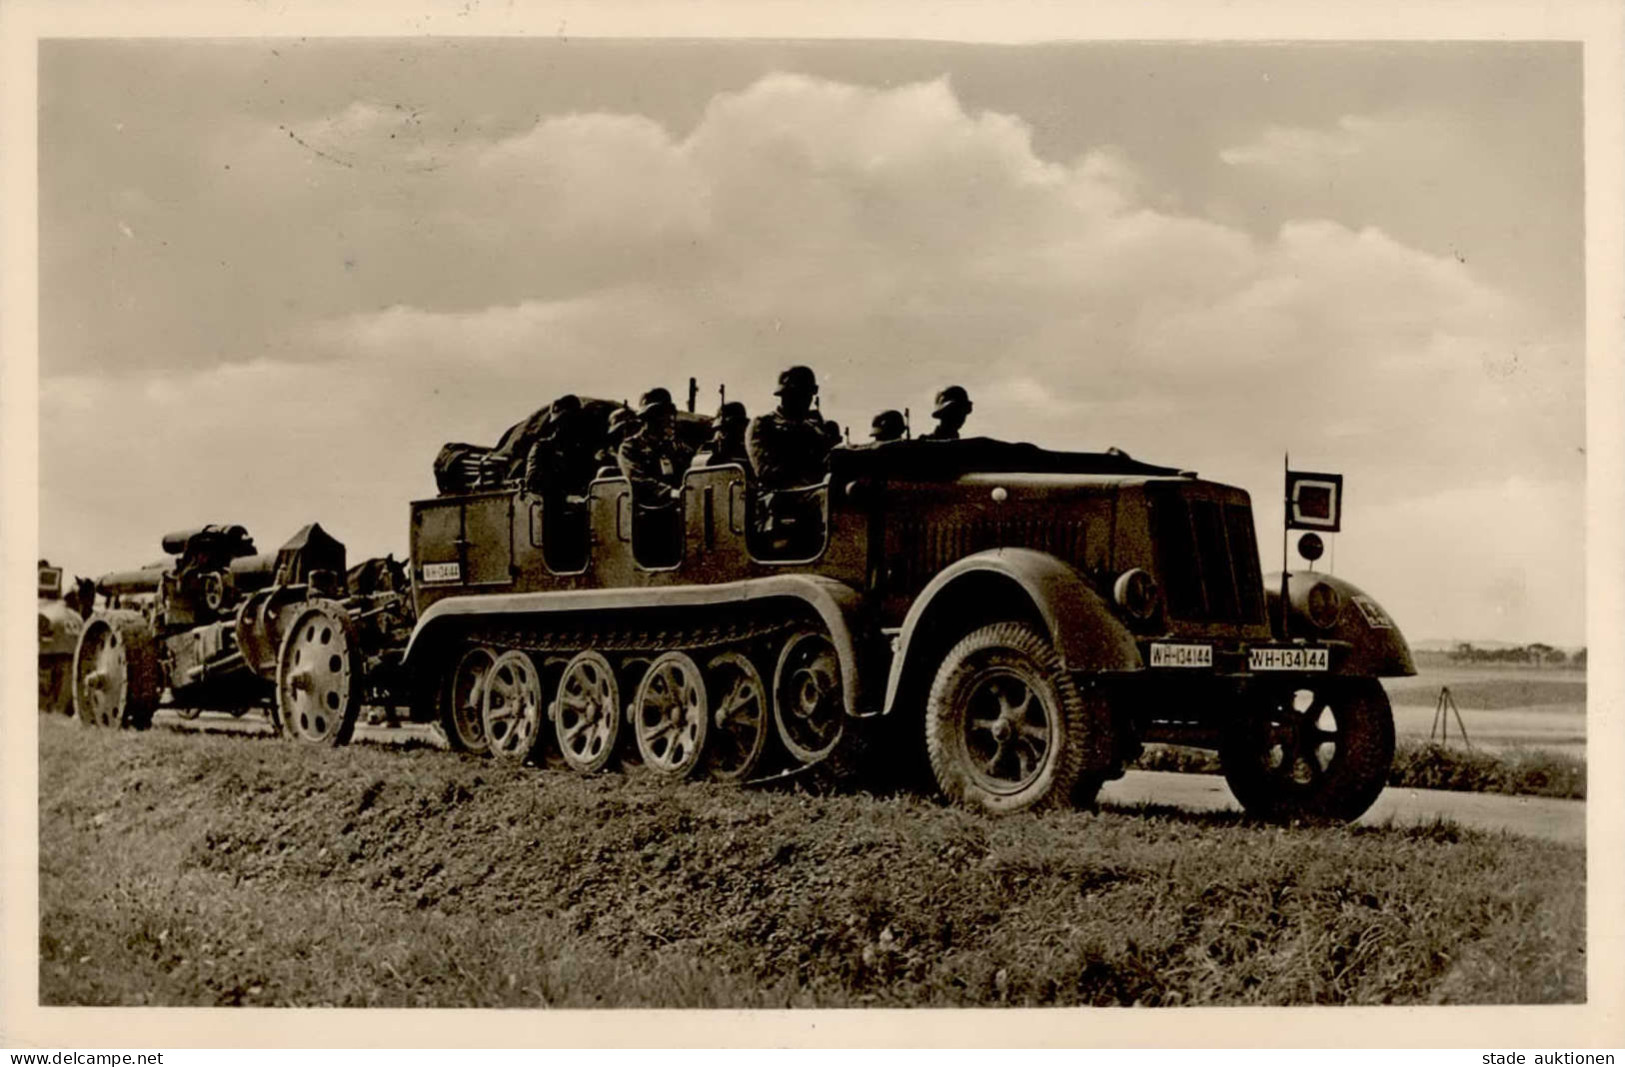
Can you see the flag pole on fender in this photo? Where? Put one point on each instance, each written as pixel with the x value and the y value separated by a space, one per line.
pixel 1286 524
pixel 1313 501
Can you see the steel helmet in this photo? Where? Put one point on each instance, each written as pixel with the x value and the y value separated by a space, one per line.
pixel 954 396
pixel 797 379
pixel 656 399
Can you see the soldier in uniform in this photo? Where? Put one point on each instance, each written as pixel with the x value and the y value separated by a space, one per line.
pixel 953 407
pixel 790 445
pixel 887 426
pixel 654 459
pixel 727 444
pixel 622 424
pixel 560 461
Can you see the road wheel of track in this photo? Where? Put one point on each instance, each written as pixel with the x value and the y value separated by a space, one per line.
pixel 809 711
pixel 1318 748
pixel 1006 727
pixel 511 710
pixel 739 718
pixel 586 713
pixel 318 676
pixel 55 695
pixel 671 716
pixel 115 672
pixel 188 713
pixel 462 709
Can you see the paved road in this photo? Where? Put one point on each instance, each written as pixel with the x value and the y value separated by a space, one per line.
pixel 1554 820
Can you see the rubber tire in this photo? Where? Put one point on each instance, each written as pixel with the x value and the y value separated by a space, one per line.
pixel 1078 724
pixel 1359 770
pixel 141 671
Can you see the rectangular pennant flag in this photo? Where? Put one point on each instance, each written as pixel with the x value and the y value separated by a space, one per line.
pixel 1314 501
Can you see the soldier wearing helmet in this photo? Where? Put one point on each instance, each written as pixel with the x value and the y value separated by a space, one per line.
pixel 952 408
pixel 622 424
pixel 561 459
pixel 727 444
pixel 790 445
pixel 887 426
pixel 653 459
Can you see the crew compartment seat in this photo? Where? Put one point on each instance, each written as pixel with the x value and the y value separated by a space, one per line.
pixel 789 525
pixel 657 533
pixel 566 532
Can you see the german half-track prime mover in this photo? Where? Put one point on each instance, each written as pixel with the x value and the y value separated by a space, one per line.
pixel 224 627
pixel 1021 619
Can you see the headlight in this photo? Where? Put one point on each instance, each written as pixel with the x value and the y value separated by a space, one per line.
pixel 1137 594
pixel 1324 605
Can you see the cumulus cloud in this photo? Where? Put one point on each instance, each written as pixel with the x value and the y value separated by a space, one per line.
pixel 1303 150
pixel 439 286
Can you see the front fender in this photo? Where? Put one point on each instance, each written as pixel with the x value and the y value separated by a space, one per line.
pixel 1377 649
pixel 1087 635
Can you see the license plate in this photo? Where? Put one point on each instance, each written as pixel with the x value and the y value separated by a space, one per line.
pixel 1166 655
pixel 442 572
pixel 1287 659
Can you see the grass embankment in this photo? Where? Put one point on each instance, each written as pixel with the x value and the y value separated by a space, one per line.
pixel 1423 765
pixel 186 869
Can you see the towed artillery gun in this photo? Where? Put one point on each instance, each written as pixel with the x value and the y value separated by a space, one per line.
pixel 223 627
pixel 1011 621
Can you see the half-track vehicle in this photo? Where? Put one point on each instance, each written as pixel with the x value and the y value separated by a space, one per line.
pixel 223 627
pixel 61 617
pixel 1019 620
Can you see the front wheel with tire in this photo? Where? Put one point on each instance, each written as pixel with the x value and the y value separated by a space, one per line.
pixel 1006 727
pixel 1319 748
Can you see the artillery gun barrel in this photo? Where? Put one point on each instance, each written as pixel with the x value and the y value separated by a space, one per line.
pixel 124 583
pixel 251 573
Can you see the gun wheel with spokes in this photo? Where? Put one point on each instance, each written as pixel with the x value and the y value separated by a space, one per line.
pixel 318 677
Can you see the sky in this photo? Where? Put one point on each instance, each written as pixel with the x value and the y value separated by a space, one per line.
pixel 277 274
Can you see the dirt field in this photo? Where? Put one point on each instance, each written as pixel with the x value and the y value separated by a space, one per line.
pixel 179 868
pixel 1501 707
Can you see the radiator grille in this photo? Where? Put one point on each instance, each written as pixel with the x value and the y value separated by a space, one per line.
pixel 1207 559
